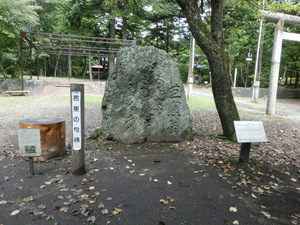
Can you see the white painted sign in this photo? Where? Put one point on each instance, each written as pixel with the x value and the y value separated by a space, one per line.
pixel 250 131
pixel 29 142
pixel 76 120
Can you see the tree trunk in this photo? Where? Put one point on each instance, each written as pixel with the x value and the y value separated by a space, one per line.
pixel 3 71
pixel 297 80
pixel 211 43
pixel 56 65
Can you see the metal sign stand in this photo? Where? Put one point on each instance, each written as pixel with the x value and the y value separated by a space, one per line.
pixel 246 133
pixel 30 145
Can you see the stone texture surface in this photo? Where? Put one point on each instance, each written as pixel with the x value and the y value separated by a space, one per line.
pixel 144 99
pixel 34 86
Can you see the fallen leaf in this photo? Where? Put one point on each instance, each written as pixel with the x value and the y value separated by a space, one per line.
pixel 38 213
pixel 172 207
pixel 84 206
pixel 169 182
pixel 101 205
pixel 109 199
pixel 20 187
pixel 253 195
pixel 235 222
pixel 293 179
pixel 104 211
pixel 164 201
pixel 155 180
pixel 141 174
pixel 49 217
pixel 75 213
pixel 91 219
pixel 118 210
pixel 266 214
pixel 28 199
pixel 42 207
pixel 233 209
pixel 91 188
pixel 3 202
pixel 15 212
pixel 64 209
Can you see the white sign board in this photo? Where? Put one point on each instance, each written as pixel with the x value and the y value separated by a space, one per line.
pixel 29 142
pixel 250 131
pixel 76 119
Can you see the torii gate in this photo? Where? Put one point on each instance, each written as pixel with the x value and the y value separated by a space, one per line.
pixel 279 36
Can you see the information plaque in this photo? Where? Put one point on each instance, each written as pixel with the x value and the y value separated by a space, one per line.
pixel 250 131
pixel 76 120
pixel 29 142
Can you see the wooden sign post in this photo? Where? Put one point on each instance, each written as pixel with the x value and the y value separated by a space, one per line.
pixel 30 145
pixel 77 112
pixel 246 133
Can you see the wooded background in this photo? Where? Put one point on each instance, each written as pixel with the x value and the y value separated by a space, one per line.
pixel 158 23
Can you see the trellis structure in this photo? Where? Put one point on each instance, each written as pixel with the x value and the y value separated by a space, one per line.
pixel 70 45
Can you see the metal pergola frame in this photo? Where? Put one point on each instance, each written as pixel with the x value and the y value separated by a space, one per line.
pixel 70 45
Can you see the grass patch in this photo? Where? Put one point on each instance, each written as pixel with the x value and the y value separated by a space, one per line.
pixel 93 99
pixel 197 102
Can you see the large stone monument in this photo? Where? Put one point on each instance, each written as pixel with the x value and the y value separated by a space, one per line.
pixel 144 99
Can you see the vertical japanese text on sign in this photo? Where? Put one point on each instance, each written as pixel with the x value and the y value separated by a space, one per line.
pixel 76 115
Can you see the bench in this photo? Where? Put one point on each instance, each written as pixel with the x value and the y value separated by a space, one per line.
pixel 17 92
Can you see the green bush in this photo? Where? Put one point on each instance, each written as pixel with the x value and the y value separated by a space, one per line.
pixel 184 71
pixel 205 78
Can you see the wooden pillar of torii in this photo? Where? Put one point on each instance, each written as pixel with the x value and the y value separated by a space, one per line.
pixel 279 36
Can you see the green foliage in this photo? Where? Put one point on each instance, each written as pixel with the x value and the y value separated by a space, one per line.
pixel 205 78
pixel 184 72
pixel 17 15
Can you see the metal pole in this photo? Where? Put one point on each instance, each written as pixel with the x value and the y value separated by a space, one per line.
pixel 38 65
pixel 235 76
pixel 275 66
pixel 191 68
pixel 256 83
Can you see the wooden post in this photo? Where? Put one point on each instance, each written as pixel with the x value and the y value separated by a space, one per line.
pixel 90 68
pixel 77 112
pixel 245 152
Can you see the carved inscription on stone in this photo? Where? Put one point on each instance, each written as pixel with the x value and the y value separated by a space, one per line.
pixel 144 99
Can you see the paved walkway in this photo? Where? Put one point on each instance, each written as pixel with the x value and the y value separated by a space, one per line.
pixel 288 108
